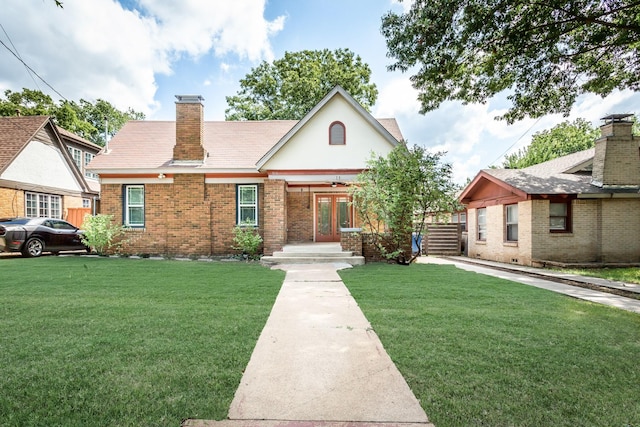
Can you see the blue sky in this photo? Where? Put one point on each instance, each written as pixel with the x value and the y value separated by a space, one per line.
pixel 140 53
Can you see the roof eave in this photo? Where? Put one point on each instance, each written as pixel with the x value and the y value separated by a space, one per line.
pixel 464 197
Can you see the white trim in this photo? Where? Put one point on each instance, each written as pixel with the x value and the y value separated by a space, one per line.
pixel 172 170
pixel 231 180
pixel 126 205
pixel 316 189
pixel 254 205
pixel 136 181
pixel 315 178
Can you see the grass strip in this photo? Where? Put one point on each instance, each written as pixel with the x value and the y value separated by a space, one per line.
pixel 627 275
pixel 481 351
pixel 120 342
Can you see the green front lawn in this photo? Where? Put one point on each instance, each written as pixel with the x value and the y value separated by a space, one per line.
pixel 120 342
pixel 481 351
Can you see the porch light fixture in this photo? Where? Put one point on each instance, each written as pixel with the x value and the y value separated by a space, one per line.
pixel 161 176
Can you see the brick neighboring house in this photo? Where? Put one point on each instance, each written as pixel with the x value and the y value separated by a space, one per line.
pixel 580 208
pixel 42 170
pixel 181 187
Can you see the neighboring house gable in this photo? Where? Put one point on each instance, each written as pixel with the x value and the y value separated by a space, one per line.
pixel 42 164
pixel 579 208
pixel 38 176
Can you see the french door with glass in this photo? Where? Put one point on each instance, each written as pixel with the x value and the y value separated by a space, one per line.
pixel 333 212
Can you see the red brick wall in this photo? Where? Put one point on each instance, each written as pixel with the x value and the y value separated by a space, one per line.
pixel 351 241
pixel 299 217
pixel 186 218
pixel 275 216
pixel 189 222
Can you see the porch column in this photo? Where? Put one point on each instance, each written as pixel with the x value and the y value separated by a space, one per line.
pixel 275 215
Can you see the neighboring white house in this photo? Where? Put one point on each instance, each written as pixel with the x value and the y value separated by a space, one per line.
pixel 42 170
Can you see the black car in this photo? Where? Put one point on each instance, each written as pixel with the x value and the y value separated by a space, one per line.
pixel 33 236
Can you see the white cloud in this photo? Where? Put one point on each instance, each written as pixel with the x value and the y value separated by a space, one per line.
pixel 198 26
pixel 395 98
pixel 406 4
pixel 98 49
pixel 594 107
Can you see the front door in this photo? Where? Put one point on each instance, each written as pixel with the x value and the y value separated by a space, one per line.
pixel 333 212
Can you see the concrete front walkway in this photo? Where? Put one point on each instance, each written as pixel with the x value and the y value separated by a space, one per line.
pixel 319 363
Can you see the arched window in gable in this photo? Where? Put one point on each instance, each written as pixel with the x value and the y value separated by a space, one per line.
pixel 337 134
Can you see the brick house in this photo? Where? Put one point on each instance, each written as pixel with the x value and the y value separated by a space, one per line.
pixel 580 208
pixel 42 170
pixel 181 186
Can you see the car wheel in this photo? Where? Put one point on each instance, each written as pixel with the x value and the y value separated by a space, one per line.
pixel 33 247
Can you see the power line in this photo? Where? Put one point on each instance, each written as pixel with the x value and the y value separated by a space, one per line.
pixel 33 71
pixel 18 54
pixel 517 140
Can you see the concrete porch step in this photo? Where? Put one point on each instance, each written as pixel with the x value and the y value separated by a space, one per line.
pixel 312 253
pixel 310 259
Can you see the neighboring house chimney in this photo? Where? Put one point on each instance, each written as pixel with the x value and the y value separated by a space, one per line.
pixel 616 163
pixel 189 130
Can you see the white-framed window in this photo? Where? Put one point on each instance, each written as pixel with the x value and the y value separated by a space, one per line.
pixel 511 222
pixel 86 203
pixel 87 158
pixel 76 155
pixel 247 200
pixel 481 220
pixel 560 217
pixel 134 206
pixel 43 205
pixel 337 134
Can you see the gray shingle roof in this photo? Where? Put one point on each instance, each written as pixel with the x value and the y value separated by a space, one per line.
pixel 557 176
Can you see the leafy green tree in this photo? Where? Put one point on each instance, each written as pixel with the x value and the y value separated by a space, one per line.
pixel 99 115
pixel 28 103
pixel 546 52
pixel 397 193
pixel 565 138
pixel 84 118
pixel 289 87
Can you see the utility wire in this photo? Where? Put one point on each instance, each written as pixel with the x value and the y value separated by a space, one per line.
pixel 33 71
pixel 517 140
pixel 18 55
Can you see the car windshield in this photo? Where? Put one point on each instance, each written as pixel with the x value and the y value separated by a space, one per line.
pixel 18 221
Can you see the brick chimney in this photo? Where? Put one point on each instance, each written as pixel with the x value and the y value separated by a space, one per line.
pixel 616 163
pixel 189 130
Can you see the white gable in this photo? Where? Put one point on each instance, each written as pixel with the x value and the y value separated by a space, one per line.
pixel 309 149
pixel 42 164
